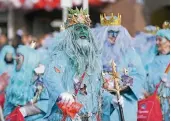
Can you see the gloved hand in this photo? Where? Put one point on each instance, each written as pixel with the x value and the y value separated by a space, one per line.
pixel 115 101
pixel 23 111
pixel 164 78
pixel 109 80
pixel 29 110
pixel 40 69
pixel 66 99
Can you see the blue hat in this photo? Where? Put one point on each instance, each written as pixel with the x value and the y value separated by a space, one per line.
pixel 164 33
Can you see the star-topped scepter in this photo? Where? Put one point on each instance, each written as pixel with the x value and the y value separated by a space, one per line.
pixel 38 82
pixel 117 88
pixel 116 78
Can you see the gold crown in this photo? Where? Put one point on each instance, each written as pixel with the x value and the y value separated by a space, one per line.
pixel 113 20
pixel 152 31
pixel 166 25
pixel 77 16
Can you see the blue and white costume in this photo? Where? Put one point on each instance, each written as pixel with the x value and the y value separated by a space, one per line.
pixel 124 56
pixel 155 73
pixel 22 87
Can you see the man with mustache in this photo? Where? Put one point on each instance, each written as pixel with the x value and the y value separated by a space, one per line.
pixel 74 72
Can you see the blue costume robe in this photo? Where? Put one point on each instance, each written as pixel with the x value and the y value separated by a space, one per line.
pixel 125 57
pixel 21 89
pixel 44 55
pixel 133 63
pixel 155 71
pixel 62 80
pixel 44 51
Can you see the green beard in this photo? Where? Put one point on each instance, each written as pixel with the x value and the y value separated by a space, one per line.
pixel 83 53
pixel 81 48
pixel 84 47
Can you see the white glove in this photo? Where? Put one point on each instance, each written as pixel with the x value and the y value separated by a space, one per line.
pixel 115 101
pixel 164 78
pixel 23 111
pixel 109 79
pixel 29 110
pixel 66 98
pixel 40 69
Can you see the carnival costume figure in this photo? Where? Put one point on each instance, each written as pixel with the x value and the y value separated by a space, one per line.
pixel 26 95
pixel 156 72
pixel 73 76
pixel 117 47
